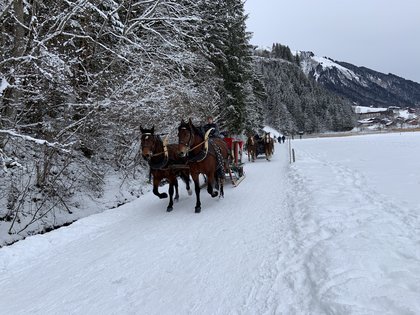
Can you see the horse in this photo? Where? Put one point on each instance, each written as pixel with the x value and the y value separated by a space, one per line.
pixel 205 156
pixel 164 163
pixel 251 146
pixel 268 146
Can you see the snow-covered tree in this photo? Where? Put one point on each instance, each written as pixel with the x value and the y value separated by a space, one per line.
pixel 81 76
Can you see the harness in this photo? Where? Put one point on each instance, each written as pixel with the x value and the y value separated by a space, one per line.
pixel 164 162
pixel 203 153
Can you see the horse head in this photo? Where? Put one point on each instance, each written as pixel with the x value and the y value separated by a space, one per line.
pixel 148 142
pixel 185 137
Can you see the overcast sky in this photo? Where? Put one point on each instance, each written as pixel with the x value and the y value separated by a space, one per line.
pixel 383 35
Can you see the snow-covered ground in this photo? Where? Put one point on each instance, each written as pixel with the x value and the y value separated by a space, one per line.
pixel 337 232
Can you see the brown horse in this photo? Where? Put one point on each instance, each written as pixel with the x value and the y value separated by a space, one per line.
pixel 164 163
pixel 251 146
pixel 205 156
pixel 268 146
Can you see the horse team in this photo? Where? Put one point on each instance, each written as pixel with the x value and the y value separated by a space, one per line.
pixel 258 145
pixel 196 153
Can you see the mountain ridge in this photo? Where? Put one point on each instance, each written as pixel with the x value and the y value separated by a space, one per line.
pixel 361 85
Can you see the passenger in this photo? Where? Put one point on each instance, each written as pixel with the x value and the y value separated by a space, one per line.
pixel 211 124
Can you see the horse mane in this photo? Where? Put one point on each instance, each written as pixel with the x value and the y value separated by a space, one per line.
pixel 171 147
pixel 145 130
pixel 190 126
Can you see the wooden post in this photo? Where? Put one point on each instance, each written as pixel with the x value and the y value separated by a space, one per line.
pixel 293 155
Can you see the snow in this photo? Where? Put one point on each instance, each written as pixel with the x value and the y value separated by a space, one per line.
pixel 310 62
pixel 328 64
pixel 273 132
pixel 406 114
pixel 365 109
pixel 56 145
pixel 3 85
pixel 337 232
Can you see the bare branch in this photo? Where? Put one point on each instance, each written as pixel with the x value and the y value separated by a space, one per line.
pixel 54 145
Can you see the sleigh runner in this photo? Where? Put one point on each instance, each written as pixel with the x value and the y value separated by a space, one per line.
pixel 236 170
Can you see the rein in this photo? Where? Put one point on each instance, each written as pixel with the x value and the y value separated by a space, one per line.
pixel 198 158
pixel 164 152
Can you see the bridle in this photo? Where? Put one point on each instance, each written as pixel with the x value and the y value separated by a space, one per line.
pixel 191 137
pixel 152 147
pixel 203 155
pixel 146 137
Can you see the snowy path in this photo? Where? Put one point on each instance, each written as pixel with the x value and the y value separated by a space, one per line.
pixel 313 238
pixel 139 259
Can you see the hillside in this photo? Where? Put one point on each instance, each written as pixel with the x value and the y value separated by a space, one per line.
pixel 361 85
pixel 295 103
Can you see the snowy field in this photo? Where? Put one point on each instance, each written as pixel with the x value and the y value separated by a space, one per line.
pixel 337 232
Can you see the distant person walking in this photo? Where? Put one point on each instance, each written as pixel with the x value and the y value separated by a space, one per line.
pixel 300 134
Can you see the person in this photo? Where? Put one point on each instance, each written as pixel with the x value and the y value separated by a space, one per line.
pixel 211 124
pixel 283 138
pixel 279 139
pixel 300 134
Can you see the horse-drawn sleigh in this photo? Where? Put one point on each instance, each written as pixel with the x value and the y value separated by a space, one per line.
pixel 256 145
pixel 196 153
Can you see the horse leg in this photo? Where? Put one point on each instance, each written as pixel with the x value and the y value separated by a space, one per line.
pixel 156 182
pixel 186 178
pixel 267 154
pixel 176 188
pixel 197 193
pixel 210 183
pixel 188 188
pixel 172 184
pixel 222 193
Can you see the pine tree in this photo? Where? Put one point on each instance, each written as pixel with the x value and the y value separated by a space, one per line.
pixel 230 51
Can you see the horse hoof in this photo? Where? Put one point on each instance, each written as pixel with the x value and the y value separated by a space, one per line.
pixel 189 192
pixel 163 196
pixel 169 209
pixel 214 194
pixel 197 209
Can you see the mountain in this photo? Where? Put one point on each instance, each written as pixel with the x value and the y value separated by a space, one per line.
pixel 295 103
pixel 361 85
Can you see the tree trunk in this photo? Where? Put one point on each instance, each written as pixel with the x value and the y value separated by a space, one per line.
pixel 19 30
